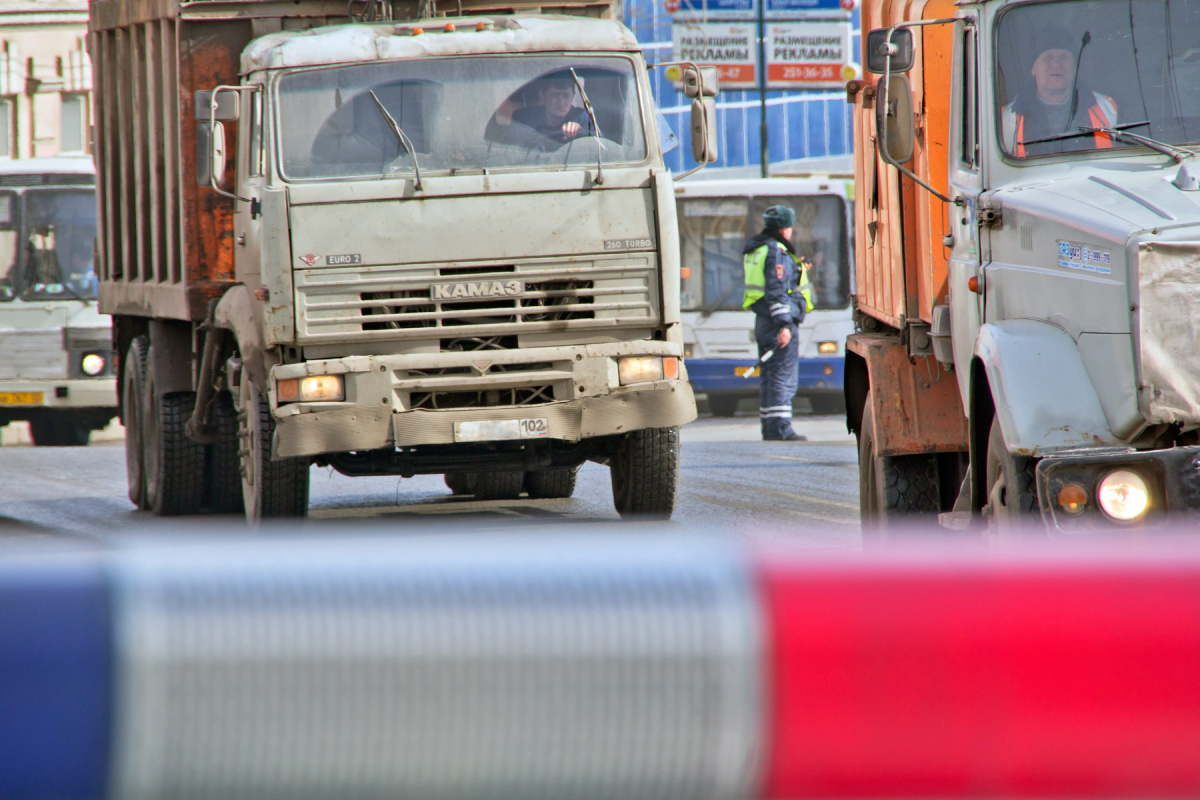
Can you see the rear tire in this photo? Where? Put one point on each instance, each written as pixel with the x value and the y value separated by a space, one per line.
pixel 551 483
pixel 460 483
pixel 498 485
pixel 59 431
pixel 270 488
pixel 223 463
pixel 133 387
pixel 723 405
pixel 174 464
pixel 645 473
pixel 894 491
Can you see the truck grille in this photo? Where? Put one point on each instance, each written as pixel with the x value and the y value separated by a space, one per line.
pixel 395 302
pixel 523 396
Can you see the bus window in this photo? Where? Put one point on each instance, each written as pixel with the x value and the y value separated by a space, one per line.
pixel 712 232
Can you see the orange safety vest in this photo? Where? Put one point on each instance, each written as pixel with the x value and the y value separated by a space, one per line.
pixel 1098 119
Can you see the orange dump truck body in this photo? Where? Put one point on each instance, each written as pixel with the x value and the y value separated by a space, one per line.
pixel 901 264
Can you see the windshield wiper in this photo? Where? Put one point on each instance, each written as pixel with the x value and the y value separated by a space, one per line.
pixel 401 136
pixel 587 106
pixel 1120 132
pixel 1174 151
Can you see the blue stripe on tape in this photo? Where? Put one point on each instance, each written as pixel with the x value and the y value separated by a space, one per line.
pixel 56 670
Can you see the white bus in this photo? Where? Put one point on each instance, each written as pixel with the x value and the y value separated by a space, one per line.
pixel 715 219
pixel 55 346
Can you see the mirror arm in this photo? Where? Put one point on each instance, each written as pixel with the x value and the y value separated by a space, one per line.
pixel 883 101
pixel 212 124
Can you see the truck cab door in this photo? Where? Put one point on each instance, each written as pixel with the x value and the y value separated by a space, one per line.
pixel 251 172
pixel 966 180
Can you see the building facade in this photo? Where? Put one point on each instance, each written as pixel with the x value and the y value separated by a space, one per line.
pixel 45 79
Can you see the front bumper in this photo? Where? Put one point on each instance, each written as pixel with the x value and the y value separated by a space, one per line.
pixel 1172 477
pixel 408 400
pixel 71 393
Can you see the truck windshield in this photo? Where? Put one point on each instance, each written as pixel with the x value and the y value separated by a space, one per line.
pixel 47 245
pixel 460 114
pixel 713 231
pixel 1065 69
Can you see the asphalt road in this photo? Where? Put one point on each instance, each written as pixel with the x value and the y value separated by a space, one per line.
pixel 731 482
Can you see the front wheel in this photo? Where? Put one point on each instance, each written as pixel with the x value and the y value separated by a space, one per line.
pixel 1011 502
pixel 645 473
pixel 270 487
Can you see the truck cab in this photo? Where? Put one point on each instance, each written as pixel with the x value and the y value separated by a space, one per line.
pixel 1028 239
pixel 56 358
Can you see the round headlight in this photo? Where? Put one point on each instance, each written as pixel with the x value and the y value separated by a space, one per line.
pixel 1123 495
pixel 92 364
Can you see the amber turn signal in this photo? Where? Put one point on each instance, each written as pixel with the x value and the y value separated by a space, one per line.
pixel 670 368
pixel 973 284
pixel 451 27
pixel 1072 499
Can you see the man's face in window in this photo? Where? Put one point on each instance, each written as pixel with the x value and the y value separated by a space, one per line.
pixel 557 99
pixel 1054 72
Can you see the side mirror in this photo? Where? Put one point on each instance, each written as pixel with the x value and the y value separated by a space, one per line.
pixel 210 154
pixel 701 82
pixel 877 50
pixel 704 130
pixel 894 119
pixel 228 107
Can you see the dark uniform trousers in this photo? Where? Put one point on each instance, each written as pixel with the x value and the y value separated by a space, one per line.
pixel 778 376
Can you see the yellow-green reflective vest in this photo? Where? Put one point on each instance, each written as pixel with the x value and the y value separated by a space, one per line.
pixel 756 280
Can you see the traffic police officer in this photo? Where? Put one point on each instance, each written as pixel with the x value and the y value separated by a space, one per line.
pixel 779 294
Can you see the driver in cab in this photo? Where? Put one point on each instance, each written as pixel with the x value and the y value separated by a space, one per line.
pixel 1057 103
pixel 556 117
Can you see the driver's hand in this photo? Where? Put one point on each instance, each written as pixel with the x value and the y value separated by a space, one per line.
pixel 784 336
pixel 570 130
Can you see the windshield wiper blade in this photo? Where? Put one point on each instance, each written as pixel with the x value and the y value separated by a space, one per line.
pixel 401 136
pixel 587 106
pixel 1083 132
pixel 1175 152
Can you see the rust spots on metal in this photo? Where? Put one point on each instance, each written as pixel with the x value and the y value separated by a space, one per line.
pixel 209 55
pixel 915 402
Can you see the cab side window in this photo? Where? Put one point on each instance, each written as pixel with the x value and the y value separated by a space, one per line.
pixel 970 102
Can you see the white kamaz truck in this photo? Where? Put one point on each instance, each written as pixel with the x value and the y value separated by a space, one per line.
pixel 412 241
pixel 56 360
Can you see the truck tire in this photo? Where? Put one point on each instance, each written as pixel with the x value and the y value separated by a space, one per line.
pixel 498 485
pixel 1011 503
pixel 59 430
pixel 460 482
pixel 270 487
pixel 223 464
pixel 551 483
pixel 133 389
pixel 894 492
pixel 645 473
pixel 174 464
pixel 723 405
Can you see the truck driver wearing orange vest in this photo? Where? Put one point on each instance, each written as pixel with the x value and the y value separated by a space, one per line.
pixel 1057 102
